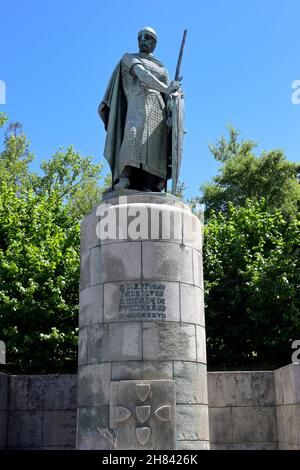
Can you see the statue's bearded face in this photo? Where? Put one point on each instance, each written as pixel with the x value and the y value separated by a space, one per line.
pixel 147 42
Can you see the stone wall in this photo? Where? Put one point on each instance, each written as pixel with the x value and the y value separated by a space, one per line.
pixel 41 412
pixel 248 410
pixel 287 391
pixel 242 410
pixel 3 410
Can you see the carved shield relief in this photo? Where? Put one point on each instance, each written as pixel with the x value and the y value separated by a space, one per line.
pixel 143 412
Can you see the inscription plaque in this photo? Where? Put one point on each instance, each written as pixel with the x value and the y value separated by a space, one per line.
pixel 142 301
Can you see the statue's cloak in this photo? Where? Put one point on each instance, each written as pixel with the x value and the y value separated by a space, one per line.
pixel 112 111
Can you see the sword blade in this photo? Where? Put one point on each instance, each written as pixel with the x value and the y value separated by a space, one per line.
pixel 177 74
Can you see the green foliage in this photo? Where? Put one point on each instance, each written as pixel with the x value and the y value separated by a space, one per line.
pixel 3 119
pixel 39 263
pixel 15 158
pixel 75 180
pixel 252 278
pixel 251 255
pixel 39 253
pixel 246 176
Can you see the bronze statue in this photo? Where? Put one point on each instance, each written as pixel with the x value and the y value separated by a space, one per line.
pixel 136 110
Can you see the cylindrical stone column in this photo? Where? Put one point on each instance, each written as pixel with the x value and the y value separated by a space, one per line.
pixel 141 317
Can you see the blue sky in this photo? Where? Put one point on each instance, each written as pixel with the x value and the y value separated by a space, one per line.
pixel 240 60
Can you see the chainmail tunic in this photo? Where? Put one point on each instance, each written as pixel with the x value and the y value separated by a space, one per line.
pixel 145 134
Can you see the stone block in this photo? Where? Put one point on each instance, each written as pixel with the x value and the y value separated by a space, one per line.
pixel 192 423
pixel 284 419
pixel 58 448
pixel 19 392
pixel 251 424
pixel 85 269
pixel 144 414
pixel 245 446
pixel 192 445
pixel 220 424
pixel 192 304
pixel 83 346
pixel 112 296
pixel 116 262
pixel 263 388
pixel 60 391
pixel 169 341
pixel 3 429
pixel 96 266
pixel 192 231
pixel 171 220
pixel 36 391
pixel 201 344
pixel 93 430
pixel 3 392
pixel 130 196
pixel 164 261
pixel 145 370
pixel 198 269
pixel 285 446
pixel 39 392
pixel 115 342
pixel 229 389
pixel 59 428
pixel 112 226
pixel 93 385
pixel 144 301
pixel 23 393
pixel 288 424
pixel 91 306
pixel 191 382
pixel 296 368
pixel 25 429
pixel 88 234
pixel 287 384
pixel 140 221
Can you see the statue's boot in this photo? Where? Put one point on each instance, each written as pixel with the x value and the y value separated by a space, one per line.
pixel 124 183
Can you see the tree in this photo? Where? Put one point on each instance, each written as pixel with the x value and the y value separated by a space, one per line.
pixel 39 261
pixel 75 179
pixel 245 176
pixel 252 272
pixel 15 157
pixel 39 253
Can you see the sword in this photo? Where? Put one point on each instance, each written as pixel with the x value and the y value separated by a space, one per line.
pixel 178 78
pixel 177 73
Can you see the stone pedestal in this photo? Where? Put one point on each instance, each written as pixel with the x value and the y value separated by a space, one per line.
pixel 142 353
